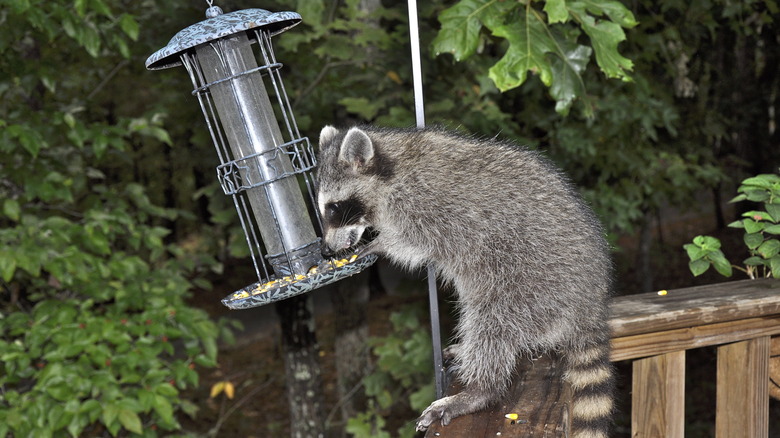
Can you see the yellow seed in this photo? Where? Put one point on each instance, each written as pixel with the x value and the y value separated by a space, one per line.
pixel 512 416
pixel 662 292
pixel 353 258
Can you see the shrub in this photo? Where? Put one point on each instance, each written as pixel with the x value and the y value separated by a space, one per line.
pixel 95 334
pixel 761 229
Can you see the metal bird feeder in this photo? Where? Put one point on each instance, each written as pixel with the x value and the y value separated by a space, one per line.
pixel 265 164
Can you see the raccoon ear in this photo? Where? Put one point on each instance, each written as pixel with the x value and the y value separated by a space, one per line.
pixel 327 135
pixel 356 149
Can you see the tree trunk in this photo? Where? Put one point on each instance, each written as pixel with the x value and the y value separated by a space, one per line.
pixel 352 354
pixel 302 369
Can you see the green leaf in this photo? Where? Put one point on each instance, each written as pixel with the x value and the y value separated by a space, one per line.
pixel 752 226
pixel 311 11
pixel 556 11
pixel 423 397
pixel 567 67
pixel 460 26
pixel 707 243
pixel 753 261
pixel 736 224
pixel 772 229
pixel 109 414
pixel 615 10
pixel 774 211
pixel 129 26
pixel 12 210
pixel 738 198
pixel 774 265
pixel 753 240
pixel 166 389
pixel 758 215
pixel 529 41
pixel 769 248
pixel 189 408
pixel 721 264
pixel 101 7
pixel 698 267
pixel 130 421
pixel 89 38
pixel 163 408
pixel 755 195
pixel 81 7
pixel 694 251
pixel 7 265
pixel 605 37
pixel 763 181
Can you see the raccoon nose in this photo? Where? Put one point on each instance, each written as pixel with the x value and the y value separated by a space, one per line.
pixel 326 250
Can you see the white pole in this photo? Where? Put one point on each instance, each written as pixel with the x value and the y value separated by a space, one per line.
pixel 414 40
pixel 419 110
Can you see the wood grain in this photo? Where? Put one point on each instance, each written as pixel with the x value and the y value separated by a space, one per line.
pixel 742 407
pixel 650 312
pixel 651 344
pixel 658 396
pixel 538 395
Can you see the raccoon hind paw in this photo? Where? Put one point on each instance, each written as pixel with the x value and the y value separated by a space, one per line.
pixel 438 410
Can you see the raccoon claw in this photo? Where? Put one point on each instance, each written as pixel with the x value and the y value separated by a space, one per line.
pixel 438 410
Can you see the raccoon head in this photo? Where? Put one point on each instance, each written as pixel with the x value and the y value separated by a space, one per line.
pixel 346 176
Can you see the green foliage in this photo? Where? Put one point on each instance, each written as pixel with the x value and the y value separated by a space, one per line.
pixel 705 252
pixel 541 40
pixel 402 377
pixel 761 228
pixel 96 338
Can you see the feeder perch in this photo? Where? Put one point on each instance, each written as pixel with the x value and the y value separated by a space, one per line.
pixel 265 164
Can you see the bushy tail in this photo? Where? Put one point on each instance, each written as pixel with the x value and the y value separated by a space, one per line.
pixel 592 378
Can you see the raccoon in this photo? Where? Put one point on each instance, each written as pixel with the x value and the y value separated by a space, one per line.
pixel 525 255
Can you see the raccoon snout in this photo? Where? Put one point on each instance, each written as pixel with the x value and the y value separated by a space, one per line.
pixel 326 250
pixel 339 239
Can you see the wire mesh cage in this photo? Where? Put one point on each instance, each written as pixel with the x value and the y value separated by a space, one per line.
pixel 265 164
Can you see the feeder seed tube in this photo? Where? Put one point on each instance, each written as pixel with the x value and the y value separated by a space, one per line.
pixel 250 125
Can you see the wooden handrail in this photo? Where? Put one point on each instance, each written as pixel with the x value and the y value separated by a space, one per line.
pixel 653 331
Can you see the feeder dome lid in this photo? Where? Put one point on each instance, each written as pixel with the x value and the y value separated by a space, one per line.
pixel 217 27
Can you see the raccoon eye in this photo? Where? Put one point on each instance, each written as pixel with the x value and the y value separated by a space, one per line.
pixel 331 208
pixel 347 212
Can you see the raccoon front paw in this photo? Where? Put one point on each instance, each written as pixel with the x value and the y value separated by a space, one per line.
pixel 438 410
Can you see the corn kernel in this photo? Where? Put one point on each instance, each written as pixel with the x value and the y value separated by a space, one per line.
pixel 512 416
pixel 662 292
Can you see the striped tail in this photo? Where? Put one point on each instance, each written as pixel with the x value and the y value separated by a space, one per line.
pixel 592 378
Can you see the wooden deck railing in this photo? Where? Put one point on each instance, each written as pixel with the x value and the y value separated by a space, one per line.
pixel 654 331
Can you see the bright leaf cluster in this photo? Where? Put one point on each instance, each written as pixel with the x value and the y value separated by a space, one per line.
pixel 541 41
pixel 761 230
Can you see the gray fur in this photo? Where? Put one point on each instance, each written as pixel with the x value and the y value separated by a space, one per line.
pixel 526 256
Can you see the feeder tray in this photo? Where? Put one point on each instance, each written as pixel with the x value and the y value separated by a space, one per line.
pixel 276 289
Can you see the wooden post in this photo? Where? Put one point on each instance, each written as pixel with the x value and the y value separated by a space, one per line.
pixel 743 394
pixel 658 396
pixel 540 398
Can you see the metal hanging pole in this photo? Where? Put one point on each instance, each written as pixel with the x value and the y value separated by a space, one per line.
pixel 419 111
